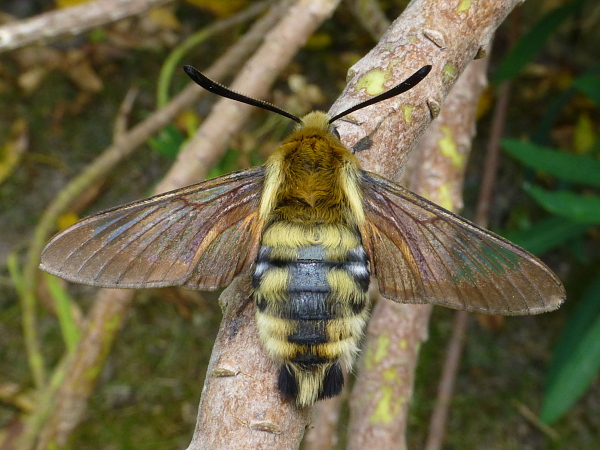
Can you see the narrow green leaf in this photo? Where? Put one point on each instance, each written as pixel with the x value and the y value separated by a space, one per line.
pixel 541 133
pixel 566 166
pixel 567 204
pixel 533 41
pixel 574 376
pixel 547 234
pixel 580 320
pixel 167 142
pixel 68 326
pixel 14 271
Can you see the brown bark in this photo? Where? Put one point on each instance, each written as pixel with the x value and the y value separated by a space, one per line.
pixel 84 368
pixel 369 14
pixel 241 407
pixel 486 194
pixel 438 169
pixel 74 20
pixel 447 34
pixel 383 391
pixel 234 411
pixel 322 434
pixel 450 55
pixel 437 423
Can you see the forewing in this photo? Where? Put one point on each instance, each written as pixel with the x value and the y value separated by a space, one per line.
pixel 200 236
pixel 422 253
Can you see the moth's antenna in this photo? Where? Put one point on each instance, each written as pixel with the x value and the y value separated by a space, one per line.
pixel 221 90
pixel 407 84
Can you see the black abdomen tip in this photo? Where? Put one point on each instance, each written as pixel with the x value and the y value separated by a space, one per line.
pixel 333 382
pixel 287 383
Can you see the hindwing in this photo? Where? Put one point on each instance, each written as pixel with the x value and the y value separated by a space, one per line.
pixel 199 236
pixel 422 253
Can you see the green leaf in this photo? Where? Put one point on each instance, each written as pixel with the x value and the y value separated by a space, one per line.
pixel 547 234
pixel 567 204
pixel 580 320
pixel 227 164
pixel 576 359
pixel 541 133
pixel 167 142
pixel 63 302
pixel 589 85
pixel 566 166
pixel 533 41
pixel 14 271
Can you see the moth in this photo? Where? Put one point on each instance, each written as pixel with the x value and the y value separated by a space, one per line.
pixel 312 228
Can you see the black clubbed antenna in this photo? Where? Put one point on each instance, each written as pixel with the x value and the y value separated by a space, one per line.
pixel 407 84
pixel 221 90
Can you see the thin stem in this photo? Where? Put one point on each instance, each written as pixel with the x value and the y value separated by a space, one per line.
pixel 173 60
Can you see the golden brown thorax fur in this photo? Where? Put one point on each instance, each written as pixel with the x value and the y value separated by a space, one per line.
pixel 312 178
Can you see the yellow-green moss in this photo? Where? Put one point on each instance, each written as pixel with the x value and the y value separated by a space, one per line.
pixel 373 81
pixel 463 6
pixel 449 71
pixel 389 375
pixel 444 198
pixel 449 148
pixel 388 407
pixel 407 111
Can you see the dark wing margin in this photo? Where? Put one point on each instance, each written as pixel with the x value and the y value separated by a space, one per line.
pixel 200 236
pixel 422 253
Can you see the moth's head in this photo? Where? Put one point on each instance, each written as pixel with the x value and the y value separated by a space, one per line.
pixel 317 120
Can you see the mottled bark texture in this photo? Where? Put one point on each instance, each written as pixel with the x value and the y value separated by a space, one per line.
pixel 243 409
pixel 322 433
pixel 383 391
pixel 446 34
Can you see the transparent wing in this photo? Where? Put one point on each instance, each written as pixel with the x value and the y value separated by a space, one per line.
pixel 421 253
pixel 200 236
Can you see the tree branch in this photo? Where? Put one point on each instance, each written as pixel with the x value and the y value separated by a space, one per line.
pixel 428 32
pixel 244 409
pixel 74 20
pixel 370 16
pixel 446 34
pixel 383 392
pixel 322 435
pixel 241 407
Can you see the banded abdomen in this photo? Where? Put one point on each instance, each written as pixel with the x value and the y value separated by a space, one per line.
pixel 310 287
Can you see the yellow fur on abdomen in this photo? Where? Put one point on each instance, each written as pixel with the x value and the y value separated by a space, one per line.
pixel 310 286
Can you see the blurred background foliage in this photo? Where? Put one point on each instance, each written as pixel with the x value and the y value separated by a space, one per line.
pixel 60 102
